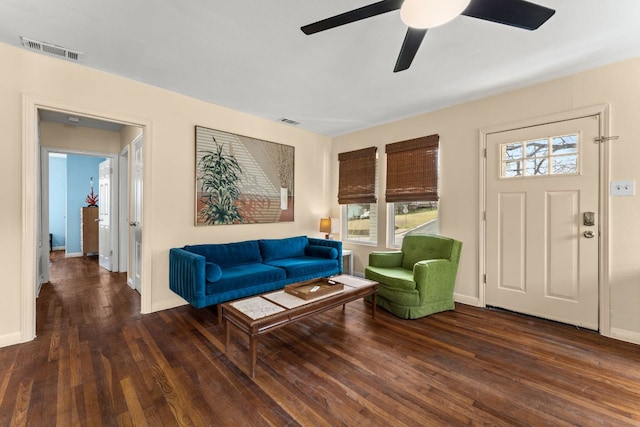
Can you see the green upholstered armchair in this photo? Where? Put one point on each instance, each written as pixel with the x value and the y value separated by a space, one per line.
pixel 419 279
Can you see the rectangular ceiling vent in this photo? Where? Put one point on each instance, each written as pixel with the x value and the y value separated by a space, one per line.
pixel 51 49
pixel 288 121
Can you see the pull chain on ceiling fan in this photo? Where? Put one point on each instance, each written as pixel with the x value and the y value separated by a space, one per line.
pixel 420 15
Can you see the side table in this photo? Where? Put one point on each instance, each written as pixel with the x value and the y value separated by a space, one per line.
pixel 348 253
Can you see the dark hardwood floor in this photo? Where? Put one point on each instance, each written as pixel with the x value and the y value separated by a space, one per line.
pixel 98 361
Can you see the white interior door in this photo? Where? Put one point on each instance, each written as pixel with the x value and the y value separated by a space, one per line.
pixel 542 221
pixel 136 215
pixel 123 212
pixel 105 248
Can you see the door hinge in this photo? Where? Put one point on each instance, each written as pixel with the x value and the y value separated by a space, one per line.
pixel 484 279
pixel 484 215
pixel 111 253
pixel 485 153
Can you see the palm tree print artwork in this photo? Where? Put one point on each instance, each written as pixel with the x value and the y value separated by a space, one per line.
pixel 242 180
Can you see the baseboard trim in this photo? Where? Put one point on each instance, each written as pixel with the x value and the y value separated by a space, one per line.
pixel 466 299
pixel 58 248
pixel 73 254
pixel 167 304
pixel 625 335
pixel 10 339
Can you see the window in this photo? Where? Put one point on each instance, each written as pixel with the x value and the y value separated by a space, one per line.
pixel 412 188
pixel 556 155
pixel 361 222
pixel 357 195
pixel 406 218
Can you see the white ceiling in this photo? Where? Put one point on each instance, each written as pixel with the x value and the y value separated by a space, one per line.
pixel 251 55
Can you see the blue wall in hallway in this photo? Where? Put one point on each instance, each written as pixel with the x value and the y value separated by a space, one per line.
pixel 57 198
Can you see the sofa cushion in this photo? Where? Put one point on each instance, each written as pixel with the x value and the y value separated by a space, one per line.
pixel 302 266
pixel 283 248
pixel 395 284
pixel 242 276
pixel 394 277
pixel 321 252
pixel 228 254
pixel 212 272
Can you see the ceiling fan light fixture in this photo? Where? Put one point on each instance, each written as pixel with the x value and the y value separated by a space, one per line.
pixel 431 13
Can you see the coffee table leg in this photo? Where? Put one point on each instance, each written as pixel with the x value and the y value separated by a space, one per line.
pixel 253 343
pixel 374 304
pixel 227 329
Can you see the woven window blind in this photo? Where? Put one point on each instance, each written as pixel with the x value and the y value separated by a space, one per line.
pixel 412 170
pixel 357 176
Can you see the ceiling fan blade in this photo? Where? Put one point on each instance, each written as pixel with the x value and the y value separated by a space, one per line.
pixel 410 46
pixel 353 16
pixel 516 13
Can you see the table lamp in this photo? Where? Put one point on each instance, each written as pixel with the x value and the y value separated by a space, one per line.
pixel 329 226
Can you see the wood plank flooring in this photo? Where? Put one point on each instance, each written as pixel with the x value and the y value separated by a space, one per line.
pixel 98 362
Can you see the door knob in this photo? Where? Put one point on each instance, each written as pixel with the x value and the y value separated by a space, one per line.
pixel 134 223
pixel 589 234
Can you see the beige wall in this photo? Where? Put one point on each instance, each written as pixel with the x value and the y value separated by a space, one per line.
pixel 169 167
pixel 128 135
pixel 459 126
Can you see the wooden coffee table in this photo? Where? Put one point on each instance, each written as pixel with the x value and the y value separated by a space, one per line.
pixel 263 313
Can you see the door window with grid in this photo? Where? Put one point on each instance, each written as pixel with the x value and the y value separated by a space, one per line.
pixel 555 155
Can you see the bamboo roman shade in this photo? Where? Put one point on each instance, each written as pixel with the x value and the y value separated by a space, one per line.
pixel 357 176
pixel 412 170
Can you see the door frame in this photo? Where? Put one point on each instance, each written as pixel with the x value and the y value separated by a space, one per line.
pixel 603 111
pixel 31 203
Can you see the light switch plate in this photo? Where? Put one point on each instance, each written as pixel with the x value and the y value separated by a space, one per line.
pixel 623 188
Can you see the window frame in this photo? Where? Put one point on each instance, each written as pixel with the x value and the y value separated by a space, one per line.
pixel 346 193
pixel 423 143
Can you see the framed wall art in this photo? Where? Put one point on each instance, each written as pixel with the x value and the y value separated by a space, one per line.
pixel 242 180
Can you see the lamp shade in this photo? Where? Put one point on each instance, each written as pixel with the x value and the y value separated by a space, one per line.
pixel 325 225
pixel 431 13
pixel 329 226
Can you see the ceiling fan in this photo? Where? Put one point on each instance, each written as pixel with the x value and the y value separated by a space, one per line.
pixel 420 15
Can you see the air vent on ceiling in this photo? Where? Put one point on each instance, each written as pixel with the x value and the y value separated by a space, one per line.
pixel 51 49
pixel 288 121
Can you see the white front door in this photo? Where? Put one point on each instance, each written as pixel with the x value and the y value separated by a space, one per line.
pixel 542 221
pixel 136 216
pixel 104 202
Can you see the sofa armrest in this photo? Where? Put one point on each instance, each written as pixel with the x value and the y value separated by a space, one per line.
pixel 435 278
pixel 385 259
pixel 321 251
pixel 336 244
pixel 187 276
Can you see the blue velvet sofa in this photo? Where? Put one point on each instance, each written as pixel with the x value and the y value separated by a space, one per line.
pixel 210 274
